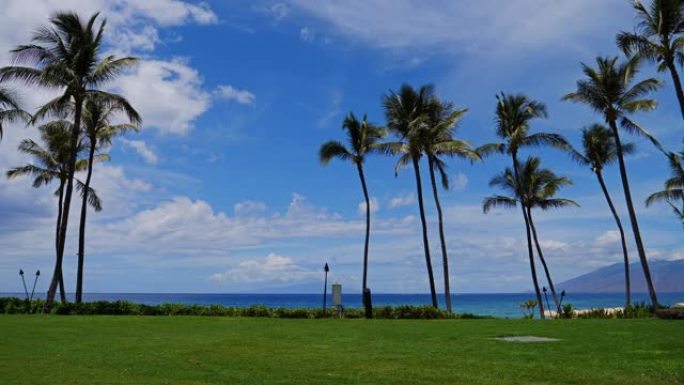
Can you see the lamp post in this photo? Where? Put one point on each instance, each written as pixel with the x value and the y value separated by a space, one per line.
pixel 21 273
pixel 326 268
pixel 34 284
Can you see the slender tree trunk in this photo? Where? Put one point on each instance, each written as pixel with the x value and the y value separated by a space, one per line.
pixel 359 167
pixel 426 244
pixel 445 258
pixel 533 268
pixel 678 85
pixel 542 259
pixel 82 227
pixel 632 217
pixel 75 130
pixel 618 222
pixel 62 291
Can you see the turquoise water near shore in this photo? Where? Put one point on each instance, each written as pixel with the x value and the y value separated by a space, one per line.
pixel 497 305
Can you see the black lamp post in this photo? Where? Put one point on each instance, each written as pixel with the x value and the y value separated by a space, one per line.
pixel 326 268
pixel 34 284
pixel 21 273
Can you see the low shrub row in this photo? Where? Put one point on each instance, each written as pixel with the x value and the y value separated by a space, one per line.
pixel 10 305
pixel 636 310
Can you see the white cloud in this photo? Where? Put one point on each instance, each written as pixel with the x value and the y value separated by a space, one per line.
pixel 273 268
pixel 278 11
pixel 402 200
pixel 608 239
pixel 307 34
pixel 374 206
pixel 461 25
pixel 460 182
pixel 227 92
pixel 168 94
pixel 142 149
pixel 249 208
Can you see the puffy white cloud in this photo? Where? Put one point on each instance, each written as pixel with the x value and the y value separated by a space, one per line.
pixel 142 149
pixel 374 206
pixel 460 182
pixel 168 94
pixel 402 200
pixel 227 92
pixel 273 268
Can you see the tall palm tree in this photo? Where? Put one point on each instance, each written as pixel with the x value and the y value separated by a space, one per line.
pixel 440 141
pixel 658 38
pixel 51 163
pixel 599 151
pixel 66 56
pixel 610 90
pixel 406 113
pixel 530 186
pixel 514 113
pixel 673 193
pixel 362 138
pixel 98 113
pixel 9 109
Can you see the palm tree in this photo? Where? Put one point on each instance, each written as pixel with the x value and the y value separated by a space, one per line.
pixel 658 38
pixel 530 186
pixel 99 131
pixel 514 113
pixel 674 187
pixel 406 113
pixel 599 151
pixel 362 137
pixel 9 109
pixel 440 141
pixel 609 90
pixel 66 56
pixel 52 163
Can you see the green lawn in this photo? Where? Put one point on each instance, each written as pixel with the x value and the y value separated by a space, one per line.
pixel 205 350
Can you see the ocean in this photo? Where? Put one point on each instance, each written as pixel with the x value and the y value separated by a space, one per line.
pixel 497 305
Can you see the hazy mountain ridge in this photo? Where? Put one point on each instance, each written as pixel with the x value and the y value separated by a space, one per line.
pixel 668 276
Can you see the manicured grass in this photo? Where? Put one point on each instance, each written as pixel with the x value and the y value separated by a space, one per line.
pixel 206 350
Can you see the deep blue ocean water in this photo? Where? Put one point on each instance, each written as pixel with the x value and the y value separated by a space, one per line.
pixel 498 305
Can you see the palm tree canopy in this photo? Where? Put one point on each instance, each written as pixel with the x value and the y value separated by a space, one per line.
pixel 610 89
pixel 439 138
pixel 9 109
pixel 514 113
pixel 598 148
pixel 98 113
pixel 536 187
pixel 674 187
pixel 50 159
pixel 658 36
pixel 362 137
pixel 65 55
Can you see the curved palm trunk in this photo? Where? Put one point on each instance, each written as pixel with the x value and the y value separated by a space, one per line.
pixel 542 259
pixel 628 291
pixel 368 212
pixel 533 268
pixel 633 218
pixel 50 298
pixel 62 291
pixel 426 245
pixel 82 226
pixel 678 85
pixel 445 258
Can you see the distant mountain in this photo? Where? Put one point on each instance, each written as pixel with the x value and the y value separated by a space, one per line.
pixel 668 276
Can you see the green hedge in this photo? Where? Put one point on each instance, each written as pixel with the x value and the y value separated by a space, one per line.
pixel 10 305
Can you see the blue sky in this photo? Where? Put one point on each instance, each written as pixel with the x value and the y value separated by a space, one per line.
pixel 221 191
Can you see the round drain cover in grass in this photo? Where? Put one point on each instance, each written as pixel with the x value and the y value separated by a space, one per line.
pixel 526 339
